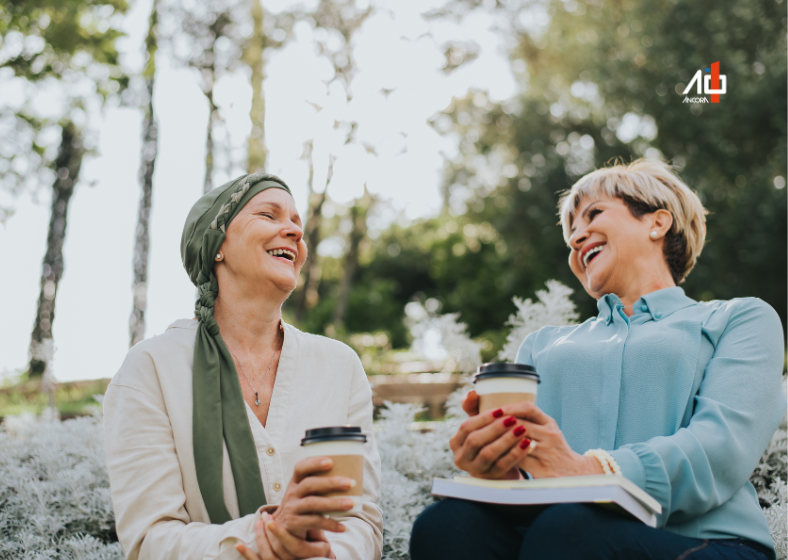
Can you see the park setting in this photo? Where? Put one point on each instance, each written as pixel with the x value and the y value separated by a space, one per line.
pixel 426 146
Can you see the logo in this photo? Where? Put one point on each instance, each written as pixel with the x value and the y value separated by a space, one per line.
pixel 713 84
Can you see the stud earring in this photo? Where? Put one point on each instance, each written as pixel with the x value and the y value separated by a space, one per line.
pixel 219 256
pixel 653 234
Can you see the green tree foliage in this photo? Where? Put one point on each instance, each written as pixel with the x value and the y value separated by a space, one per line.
pixel 42 38
pixel 43 43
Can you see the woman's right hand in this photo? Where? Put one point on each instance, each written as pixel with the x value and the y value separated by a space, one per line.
pixel 301 513
pixel 488 445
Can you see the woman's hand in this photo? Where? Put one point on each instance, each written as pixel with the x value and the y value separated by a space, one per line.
pixel 267 532
pixel 296 528
pixel 489 445
pixel 550 454
pixel 303 504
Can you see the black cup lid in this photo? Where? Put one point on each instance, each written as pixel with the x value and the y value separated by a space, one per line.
pixel 505 369
pixel 334 433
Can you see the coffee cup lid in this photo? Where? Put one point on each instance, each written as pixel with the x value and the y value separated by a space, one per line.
pixel 505 369
pixel 334 433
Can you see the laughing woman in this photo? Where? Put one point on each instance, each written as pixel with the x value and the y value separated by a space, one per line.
pixel 679 396
pixel 203 422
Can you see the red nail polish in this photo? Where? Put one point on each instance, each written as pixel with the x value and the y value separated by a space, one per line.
pixel 518 431
pixel 497 413
pixel 525 443
pixel 510 421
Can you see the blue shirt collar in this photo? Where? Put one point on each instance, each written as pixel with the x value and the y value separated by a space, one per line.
pixel 659 304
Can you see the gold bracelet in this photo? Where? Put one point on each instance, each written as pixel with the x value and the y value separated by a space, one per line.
pixel 609 465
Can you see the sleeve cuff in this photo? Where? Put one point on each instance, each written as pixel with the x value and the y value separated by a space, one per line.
pixel 270 509
pixel 631 466
pixel 244 534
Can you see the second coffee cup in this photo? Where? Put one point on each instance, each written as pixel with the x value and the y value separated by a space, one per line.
pixel 499 384
pixel 345 446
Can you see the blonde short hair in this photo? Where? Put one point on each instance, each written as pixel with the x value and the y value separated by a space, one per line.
pixel 647 185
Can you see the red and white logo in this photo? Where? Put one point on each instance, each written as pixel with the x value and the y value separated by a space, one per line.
pixel 713 83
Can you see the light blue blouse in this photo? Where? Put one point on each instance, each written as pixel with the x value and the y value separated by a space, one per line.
pixel 685 395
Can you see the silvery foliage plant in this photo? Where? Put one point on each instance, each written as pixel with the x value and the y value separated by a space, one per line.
pixel 769 481
pixel 552 308
pixel 411 458
pixel 436 335
pixel 54 491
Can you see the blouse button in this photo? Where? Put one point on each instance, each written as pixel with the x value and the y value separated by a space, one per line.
pixel 277 487
pixel 658 315
pixel 644 307
pixel 270 451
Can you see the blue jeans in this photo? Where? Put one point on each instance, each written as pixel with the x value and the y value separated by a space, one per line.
pixel 458 530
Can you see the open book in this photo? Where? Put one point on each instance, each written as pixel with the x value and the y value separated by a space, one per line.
pixel 613 491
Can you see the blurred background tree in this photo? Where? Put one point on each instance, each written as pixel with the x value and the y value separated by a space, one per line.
pixel 67 48
pixel 150 149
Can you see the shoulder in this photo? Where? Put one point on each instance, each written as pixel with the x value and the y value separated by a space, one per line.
pixel 176 344
pixel 322 347
pixel 546 336
pixel 752 314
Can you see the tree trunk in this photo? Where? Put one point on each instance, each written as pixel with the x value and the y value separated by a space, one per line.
pixel 208 185
pixel 150 147
pixel 67 166
pixel 209 80
pixel 358 214
pixel 311 272
pixel 253 56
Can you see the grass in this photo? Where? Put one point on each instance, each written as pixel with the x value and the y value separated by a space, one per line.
pixel 71 399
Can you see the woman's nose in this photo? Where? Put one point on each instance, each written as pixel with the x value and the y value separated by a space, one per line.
pixel 292 231
pixel 577 239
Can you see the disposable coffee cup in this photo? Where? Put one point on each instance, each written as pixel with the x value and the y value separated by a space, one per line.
pixel 345 446
pixel 499 384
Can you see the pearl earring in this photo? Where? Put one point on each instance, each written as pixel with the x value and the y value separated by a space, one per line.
pixel 218 256
pixel 654 234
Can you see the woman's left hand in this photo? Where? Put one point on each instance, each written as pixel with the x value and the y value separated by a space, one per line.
pixel 550 455
pixel 277 543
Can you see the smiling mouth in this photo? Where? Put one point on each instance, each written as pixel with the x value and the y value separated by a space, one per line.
pixel 591 254
pixel 283 253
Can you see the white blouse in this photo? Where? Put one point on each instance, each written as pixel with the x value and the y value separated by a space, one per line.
pixel 159 511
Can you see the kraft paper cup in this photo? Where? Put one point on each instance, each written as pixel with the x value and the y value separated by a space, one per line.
pixel 499 384
pixel 345 446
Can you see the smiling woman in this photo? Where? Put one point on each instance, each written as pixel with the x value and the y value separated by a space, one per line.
pixel 203 423
pixel 679 396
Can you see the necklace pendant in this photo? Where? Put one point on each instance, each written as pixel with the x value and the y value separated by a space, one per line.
pixel 256 400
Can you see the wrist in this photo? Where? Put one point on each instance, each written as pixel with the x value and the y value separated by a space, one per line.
pixel 592 465
pixel 605 460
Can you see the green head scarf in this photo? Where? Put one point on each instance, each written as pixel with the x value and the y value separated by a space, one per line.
pixel 219 411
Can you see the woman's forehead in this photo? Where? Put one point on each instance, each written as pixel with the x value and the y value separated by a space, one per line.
pixel 273 197
pixel 588 199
